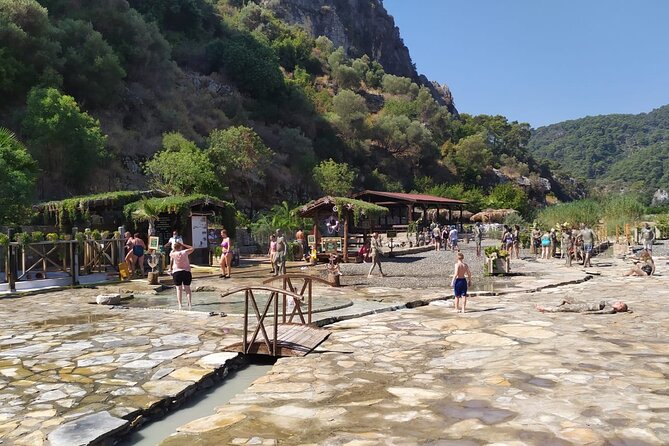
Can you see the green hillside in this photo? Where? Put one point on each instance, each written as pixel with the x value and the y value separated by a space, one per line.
pixel 221 97
pixel 617 151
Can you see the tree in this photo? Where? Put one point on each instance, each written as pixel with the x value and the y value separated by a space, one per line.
pixel 66 141
pixel 240 156
pixel 470 156
pixel 403 138
pixel 251 64
pixel 91 70
pixel 182 168
pixel 334 178
pixel 351 111
pixel 28 49
pixel 17 178
pixel 508 196
pixel 346 77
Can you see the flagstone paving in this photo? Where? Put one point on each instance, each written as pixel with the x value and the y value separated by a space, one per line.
pixel 501 374
pixel 72 373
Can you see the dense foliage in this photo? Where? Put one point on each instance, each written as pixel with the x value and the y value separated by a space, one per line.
pixel 619 151
pixel 17 178
pixel 221 97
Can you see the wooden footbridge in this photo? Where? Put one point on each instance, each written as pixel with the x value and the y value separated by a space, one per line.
pixel 290 334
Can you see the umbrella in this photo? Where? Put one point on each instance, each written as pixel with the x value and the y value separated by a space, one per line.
pixel 492 215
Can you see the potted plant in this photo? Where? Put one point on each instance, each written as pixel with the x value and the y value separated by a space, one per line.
pixel 216 258
pixel 497 260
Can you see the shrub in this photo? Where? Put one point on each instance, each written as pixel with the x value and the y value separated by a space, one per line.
pixel 37 236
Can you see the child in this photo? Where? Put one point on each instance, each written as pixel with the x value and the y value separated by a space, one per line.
pixel 462 277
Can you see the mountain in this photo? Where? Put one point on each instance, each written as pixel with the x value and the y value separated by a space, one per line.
pixel 242 99
pixel 619 151
pixel 360 27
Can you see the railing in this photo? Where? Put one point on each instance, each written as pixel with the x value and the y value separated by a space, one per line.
pixel 64 258
pixel 250 299
pixel 307 286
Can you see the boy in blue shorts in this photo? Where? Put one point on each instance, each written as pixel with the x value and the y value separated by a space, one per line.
pixel 462 277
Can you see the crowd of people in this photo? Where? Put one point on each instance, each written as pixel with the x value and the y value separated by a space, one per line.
pixel 562 241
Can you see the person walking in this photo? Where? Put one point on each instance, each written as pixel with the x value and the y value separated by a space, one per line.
pixel 647 237
pixel 375 254
pixel 181 271
pixel 588 237
pixel 226 255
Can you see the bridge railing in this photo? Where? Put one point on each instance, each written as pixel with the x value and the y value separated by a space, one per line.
pixel 250 302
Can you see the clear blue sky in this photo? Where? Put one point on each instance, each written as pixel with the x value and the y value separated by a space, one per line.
pixel 541 61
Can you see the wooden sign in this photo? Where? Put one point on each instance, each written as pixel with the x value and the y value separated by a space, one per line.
pixel 331 244
pixel 154 243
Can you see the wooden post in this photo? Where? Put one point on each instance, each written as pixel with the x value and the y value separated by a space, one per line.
pixel 276 322
pixel 346 214
pixel 462 228
pixel 246 322
pixel 74 261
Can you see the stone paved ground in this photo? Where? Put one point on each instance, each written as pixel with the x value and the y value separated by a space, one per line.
pixel 501 374
pixel 70 371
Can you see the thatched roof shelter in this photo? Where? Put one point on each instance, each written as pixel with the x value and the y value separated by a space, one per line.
pixel 492 215
pixel 344 208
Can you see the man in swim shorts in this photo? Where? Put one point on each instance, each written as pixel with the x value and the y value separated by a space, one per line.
pixel 462 277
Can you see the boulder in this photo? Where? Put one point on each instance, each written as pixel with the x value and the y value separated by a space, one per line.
pixel 108 299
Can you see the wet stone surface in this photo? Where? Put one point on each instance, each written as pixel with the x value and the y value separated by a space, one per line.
pixel 502 373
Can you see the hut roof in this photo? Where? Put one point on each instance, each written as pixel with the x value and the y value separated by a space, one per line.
pixel 87 202
pixel 400 197
pixel 327 203
pixel 492 215
pixel 174 204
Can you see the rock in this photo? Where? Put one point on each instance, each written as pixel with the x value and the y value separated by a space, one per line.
pixel 86 430
pixel 108 299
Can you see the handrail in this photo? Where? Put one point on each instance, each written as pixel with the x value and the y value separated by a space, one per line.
pixel 273 298
pixel 306 286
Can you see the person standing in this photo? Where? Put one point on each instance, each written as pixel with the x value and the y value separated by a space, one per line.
pixel 453 239
pixel 462 278
pixel 647 237
pixel 272 251
pixel 567 245
pixel 536 239
pixel 516 240
pixel 135 254
pixel 281 251
pixel 304 248
pixel 545 245
pixel 478 237
pixel 436 236
pixel 226 255
pixel 588 238
pixel 176 238
pixel 375 254
pixel 181 271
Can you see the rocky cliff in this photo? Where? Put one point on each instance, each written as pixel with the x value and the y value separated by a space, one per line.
pixel 361 27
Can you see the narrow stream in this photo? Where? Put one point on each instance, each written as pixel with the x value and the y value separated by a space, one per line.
pixel 201 405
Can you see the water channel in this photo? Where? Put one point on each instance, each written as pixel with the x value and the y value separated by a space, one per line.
pixel 200 405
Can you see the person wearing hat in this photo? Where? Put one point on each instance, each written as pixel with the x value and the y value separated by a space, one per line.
pixel 375 254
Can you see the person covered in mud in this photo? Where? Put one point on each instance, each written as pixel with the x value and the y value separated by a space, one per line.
pixel 644 267
pixel 567 245
pixel 571 306
pixel 587 236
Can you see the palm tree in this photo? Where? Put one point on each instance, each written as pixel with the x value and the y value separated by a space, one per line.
pixel 146 211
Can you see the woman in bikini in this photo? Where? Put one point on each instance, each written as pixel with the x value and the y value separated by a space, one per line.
pixel 226 255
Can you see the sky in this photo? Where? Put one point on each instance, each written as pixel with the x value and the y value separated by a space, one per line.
pixel 541 61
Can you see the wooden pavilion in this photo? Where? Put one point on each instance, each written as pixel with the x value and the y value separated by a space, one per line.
pixel 402 208
pixel 334 218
